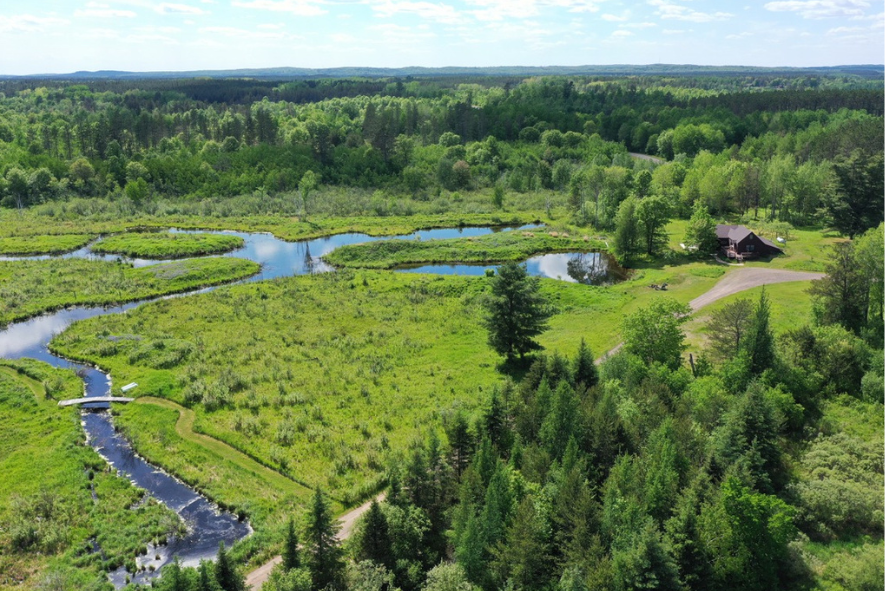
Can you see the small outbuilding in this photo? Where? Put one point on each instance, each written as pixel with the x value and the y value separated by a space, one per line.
pixel 740 243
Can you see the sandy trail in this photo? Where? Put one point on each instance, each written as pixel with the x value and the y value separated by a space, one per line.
pixel 256 578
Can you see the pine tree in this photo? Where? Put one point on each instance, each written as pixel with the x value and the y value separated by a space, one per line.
pixel 291 558
pixel 584 371
pixel 516 312
pixel 324 553
pixel 206 580
pixel 226 575
pixel 375 544
pixel 758 343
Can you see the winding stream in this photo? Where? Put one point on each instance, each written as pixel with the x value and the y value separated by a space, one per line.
pixel 207 526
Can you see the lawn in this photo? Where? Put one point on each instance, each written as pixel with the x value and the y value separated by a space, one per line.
pixel 28 288
pixel 164 245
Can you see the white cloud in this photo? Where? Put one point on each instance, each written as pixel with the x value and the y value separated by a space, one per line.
pixel 612 18
pixel 95 10
pixel 389 33
pixel 815 9
pixel 666 10
pixel 28 23
pixel 621 33
pixel 638 25
pixel 236 33
pixel 296 7
pixel 272 26
pixel 740 35
pixel 676 31
pixel 496 10
pixel 168 8
pixel 442 13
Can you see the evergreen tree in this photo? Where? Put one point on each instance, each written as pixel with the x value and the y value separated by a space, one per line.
pixel 206 580
pixel 460 443
pixel 324 554
pixel 226 574
pixel 291 558
pixel 516 312
pixel 584 370
pixel 374 543
pixel 559 425
pixel 522 558
pixel 841 296
pixel 758 343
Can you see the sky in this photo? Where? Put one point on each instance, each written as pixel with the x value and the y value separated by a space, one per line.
pixel 61 36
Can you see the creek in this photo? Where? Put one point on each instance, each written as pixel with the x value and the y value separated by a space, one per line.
pixel 206 525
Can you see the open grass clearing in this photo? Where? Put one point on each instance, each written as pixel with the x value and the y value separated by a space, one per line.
pixel 165 245
pixel 28 288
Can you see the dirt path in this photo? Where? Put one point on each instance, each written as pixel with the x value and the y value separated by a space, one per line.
pixel 734 282
pixel 646 157
pixel 256 578
pixel 748 278
pixel 185 429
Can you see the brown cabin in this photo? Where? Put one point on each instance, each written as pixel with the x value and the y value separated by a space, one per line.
pixel 740 243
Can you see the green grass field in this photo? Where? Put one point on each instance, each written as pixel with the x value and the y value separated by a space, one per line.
pixel 33 222
pixel 164 245
pixel 47 510
pixel 43 244
pixel 28 288
pixel 491 248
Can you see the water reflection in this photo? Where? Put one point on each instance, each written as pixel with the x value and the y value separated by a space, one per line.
pixel 592 268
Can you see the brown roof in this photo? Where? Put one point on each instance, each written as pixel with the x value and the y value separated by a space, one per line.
pixel 738 233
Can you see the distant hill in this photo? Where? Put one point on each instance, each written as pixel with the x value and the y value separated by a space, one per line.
pixel 864 70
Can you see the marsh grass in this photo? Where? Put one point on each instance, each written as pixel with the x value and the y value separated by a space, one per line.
pixel 48 515
pixel 28 288
pixel 42 244
pixel 492 248
pixel 165 245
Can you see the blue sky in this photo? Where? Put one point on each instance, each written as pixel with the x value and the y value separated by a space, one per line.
pixel 57 36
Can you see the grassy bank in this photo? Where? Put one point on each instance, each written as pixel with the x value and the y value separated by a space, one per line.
pixel 493 248
pixel 35 222
pixel 57 494
pixel 163 245
pixel 42 244
pixel 28 288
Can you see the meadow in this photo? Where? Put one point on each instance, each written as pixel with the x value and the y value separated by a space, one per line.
pixel 58 497
pixel 28 288
pixel 42 244
pixel 164 245
pixel 497 247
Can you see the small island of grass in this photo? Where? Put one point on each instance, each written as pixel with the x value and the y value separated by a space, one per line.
pixel 499 247
pixel 42 244
pixel 166 245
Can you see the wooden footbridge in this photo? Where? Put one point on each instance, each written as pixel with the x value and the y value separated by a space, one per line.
pixel 73 401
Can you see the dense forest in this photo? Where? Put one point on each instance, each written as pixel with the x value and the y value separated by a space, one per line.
pixel 740 144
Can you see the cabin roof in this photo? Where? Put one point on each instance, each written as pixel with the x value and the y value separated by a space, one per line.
pixel 737 233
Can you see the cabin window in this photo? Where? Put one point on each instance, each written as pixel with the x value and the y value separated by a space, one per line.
pixel 750 248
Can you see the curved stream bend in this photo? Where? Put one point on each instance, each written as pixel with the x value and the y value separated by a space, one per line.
pixel 207 526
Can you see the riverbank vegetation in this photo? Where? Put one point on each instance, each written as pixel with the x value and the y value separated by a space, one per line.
pixel 28 288
pixel 164 245
pixel 498 247
pixel 42 244
pixel 64 514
